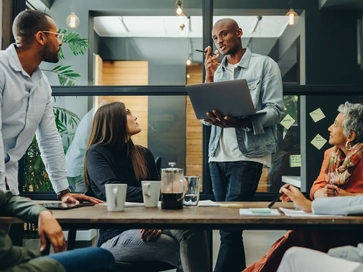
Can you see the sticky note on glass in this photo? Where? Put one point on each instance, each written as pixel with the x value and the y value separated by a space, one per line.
pixel 287 121
pixel 317 115
pixel 295 160
pixel 318 141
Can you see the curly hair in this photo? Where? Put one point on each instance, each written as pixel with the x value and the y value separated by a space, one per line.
pixel 353 116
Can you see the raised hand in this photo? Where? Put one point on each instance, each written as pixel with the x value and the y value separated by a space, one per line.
pixel 210 64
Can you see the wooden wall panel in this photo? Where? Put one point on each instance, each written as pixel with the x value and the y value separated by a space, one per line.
pixel 98 70
pixel 194 159
pixel 129 73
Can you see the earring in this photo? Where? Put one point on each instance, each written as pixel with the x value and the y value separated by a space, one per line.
pixel 348 145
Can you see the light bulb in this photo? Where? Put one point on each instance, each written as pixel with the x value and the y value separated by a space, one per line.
pixel 179 10
pixel 72 20
pixel 188 76
pixel 189 62
pixel 293 17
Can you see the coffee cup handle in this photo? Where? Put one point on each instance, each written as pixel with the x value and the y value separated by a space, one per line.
pixel 115 196
pixel 147 191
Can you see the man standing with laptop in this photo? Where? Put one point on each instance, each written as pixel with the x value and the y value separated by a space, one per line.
pixel 240 146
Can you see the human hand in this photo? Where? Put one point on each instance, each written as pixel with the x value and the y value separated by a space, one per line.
pixel 149 234
pixel 294 194
pixel 330 190
pixel 48 227
pixel 210 64
pixel 215 118
pixel 76 198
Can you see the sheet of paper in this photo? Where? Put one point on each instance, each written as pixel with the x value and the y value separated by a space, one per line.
pixel 208 203
pixel 293 180
pixel 295 213
pixel 318 141
pixel 274 212
pixel 287 122
pixel 317 115
pixel 295 160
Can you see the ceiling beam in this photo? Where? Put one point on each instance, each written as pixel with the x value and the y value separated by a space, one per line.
pixel 341 4
pixel 48 3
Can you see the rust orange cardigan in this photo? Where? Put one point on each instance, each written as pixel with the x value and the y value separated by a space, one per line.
pixel 354 184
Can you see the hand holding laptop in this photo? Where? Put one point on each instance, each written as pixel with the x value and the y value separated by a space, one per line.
pixel 225 100
pixel 215 118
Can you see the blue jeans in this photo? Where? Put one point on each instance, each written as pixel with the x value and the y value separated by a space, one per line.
pixel 233 181
pixel 86 259
pixel 188 246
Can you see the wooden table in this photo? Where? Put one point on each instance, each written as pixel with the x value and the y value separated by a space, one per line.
pixel 193 218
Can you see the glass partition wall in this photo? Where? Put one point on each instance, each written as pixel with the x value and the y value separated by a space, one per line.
pixel 145 55
pixel 169 129
pixel 129 48
pixel 165 132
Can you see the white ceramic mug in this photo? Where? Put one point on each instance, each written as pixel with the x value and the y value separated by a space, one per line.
pixel 151 192
pixel 116 197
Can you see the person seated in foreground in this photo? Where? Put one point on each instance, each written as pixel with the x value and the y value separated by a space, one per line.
pixel 341 174
pixel 111 157
pixel 346 258
pixel 13 258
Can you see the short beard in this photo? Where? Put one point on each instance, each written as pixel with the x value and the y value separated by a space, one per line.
pixel 48 56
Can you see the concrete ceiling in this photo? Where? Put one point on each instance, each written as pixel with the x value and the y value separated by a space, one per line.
pixel 169 26
pixel 150 35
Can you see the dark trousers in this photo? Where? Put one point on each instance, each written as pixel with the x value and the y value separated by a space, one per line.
pixel 233 181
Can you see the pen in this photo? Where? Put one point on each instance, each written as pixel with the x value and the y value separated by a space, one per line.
pixel 276 198
pixel 198 50
pixel 231 205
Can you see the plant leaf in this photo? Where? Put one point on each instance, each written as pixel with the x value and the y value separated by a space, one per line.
pixel 66 76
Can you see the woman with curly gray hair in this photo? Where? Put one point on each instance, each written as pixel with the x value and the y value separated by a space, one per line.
pixel 341 174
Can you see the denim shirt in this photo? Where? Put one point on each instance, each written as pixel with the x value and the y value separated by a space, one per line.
pixel 264 81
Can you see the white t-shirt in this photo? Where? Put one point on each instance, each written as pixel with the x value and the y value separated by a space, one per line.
pixel 228 150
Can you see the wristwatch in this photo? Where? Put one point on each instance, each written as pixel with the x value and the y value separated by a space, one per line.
pixel 62 193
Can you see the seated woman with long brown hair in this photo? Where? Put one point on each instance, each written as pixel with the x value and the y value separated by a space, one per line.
pixel 341 174
pixel 111 157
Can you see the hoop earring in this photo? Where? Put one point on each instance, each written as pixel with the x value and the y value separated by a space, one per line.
pixel 348 145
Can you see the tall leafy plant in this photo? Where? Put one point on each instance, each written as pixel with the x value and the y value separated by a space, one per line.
pixel 35 176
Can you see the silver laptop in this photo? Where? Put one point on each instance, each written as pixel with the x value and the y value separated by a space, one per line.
pixel 231 98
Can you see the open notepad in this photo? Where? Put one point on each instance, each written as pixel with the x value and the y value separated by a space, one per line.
pixel 289 212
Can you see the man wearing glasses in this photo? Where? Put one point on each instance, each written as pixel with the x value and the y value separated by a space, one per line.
pixel 26 103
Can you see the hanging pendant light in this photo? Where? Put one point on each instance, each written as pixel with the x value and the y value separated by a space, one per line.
pixel 72 20
pixel 179 7
pixel 293 16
